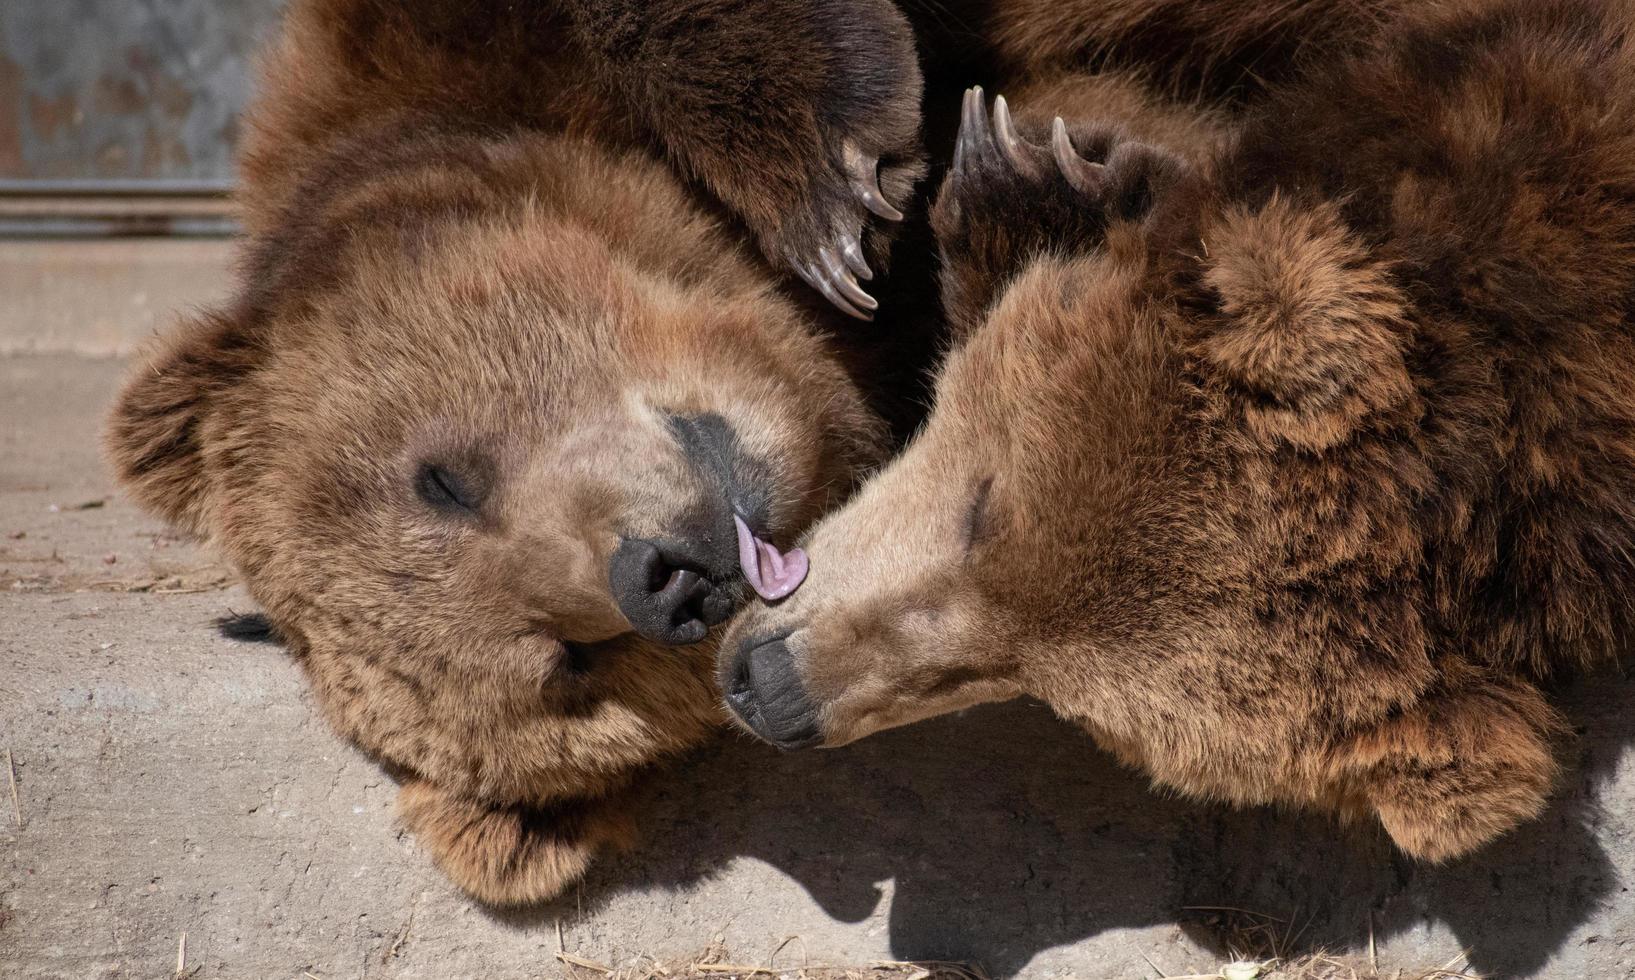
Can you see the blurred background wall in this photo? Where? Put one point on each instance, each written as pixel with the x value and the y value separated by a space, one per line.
pixel 146 91
pixel 118 125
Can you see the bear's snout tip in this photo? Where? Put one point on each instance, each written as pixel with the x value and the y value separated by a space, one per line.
pixel 664 595
pixel 764 689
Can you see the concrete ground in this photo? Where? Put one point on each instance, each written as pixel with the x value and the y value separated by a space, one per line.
pixel 170 782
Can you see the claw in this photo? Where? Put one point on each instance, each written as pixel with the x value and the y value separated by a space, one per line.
pixel 862 170
pixel 1005 129
pixel 973 128
pixel 843 281
pixel 1089 179
pixel 802 269
pixel 852 251
pixel 818 281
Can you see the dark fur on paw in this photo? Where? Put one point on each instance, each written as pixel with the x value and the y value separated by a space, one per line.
pixel 1012 195
pixel 869 124
pixel 833 263
pixel 802 117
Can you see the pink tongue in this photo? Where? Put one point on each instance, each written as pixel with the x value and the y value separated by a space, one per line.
pixel 771 573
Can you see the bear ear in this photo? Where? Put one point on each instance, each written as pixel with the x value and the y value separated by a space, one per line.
pixel 154 437
pixel 507 854
pixel 1311 328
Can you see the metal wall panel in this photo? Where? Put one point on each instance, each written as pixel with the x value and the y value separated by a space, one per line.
pixel 146 90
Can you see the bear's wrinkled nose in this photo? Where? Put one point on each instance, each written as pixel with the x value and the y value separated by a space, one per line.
pixel 764 689
pixel 663 593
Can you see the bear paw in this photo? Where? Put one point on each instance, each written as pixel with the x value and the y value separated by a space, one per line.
pixel 1014 192
pixel 868 121
pixel 824 242
pixel 506 854
pixel 802 118
pixel 1458 771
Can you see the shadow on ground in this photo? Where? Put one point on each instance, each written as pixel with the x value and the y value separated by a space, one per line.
pixel 1041 841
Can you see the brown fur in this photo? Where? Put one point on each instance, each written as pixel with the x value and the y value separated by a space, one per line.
pixel 468 249
pixel 1214 49
pixel 751 102
pixel 1296 486
pixel 506 855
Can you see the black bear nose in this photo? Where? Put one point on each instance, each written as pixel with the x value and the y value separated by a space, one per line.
pixel 765 690
pixel 663 595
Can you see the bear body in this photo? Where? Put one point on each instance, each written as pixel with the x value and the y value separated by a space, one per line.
pixel 1293 464
pixel 500 378
pixel 501 374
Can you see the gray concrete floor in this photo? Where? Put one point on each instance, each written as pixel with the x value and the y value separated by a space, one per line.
pixel 102 297
pixel 171 781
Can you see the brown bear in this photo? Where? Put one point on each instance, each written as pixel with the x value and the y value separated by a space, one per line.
pixel 1290 465
pixel 500 386
pixel 501 389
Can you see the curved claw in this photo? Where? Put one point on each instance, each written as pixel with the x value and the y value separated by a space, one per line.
pixel 818 280
pixel 973 128
pixel 862 173
pixel 844 283
pixel 1089 179
pixel 851 249
pixel 1005 131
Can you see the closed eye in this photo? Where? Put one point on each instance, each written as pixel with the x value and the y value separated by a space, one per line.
pixel 976 514
pixel 444 489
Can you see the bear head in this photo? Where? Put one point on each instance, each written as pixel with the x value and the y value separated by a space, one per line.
pixel 477 432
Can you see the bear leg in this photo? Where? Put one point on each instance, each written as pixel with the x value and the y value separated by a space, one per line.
pixel 802 118
pixel 508 854
pixel 1458 771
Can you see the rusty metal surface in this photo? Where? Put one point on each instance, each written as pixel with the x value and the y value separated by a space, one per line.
pixel 125 89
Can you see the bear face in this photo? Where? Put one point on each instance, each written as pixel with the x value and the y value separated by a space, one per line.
pixel 1288 475
pixel 949 561
pixel 1050 462
pixel 434 427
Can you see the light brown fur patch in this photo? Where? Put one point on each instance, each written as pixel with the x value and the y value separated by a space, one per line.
pixel 1301 486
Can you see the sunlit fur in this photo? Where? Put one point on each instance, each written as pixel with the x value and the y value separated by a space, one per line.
pixel 462 249
pixel 1295 489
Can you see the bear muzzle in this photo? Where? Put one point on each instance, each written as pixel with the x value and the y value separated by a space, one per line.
pixel 675 586
pixel 764 689
pixel 667 591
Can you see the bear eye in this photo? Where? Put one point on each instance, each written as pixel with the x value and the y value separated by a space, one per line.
pixel 445 489
pixel 976 515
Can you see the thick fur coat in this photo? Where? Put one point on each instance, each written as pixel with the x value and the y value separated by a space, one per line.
pixel 1291 460
pixel 501 373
